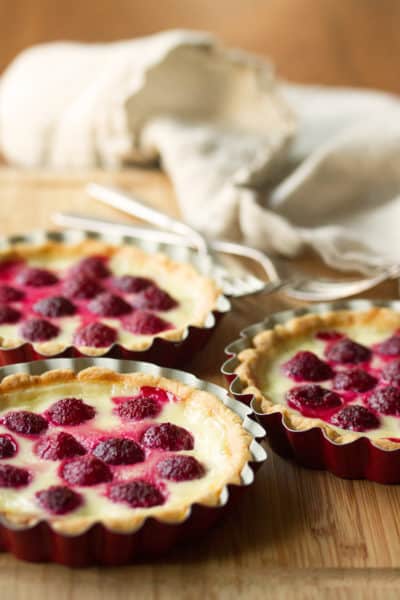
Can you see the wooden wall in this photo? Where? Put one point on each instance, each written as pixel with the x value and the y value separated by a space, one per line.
pixel 344 42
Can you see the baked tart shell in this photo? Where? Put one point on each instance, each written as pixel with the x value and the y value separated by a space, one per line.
pixel 173 347
pixel 140 537
pixel 312 442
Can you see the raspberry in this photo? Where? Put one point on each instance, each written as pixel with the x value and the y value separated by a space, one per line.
pixel 180 468
pixel 96 335
pixel 119 451
pixel 386 400
pixel 15 477
pixel 109 305
pixel 306 366
pixel 328 336
pixel 25 422
pixel 136 409
pixel 55 306
pixel 38 330
pixel 312 396
pixel 354 380
pixel 8 314
pixel 7 267
pixel 10 294
pixel 152 298
pixel 70 411
pixel 391 372
pixel 130 284
pixel 62 445
pixel 138 494
pixel 81 288
pixel 92 266
pixel 390 347
pixel 145 323
pixel 347 351
pixel 59 499
pixel 8 446
pixel 85 470
pixel 356 418
pixel 167 436
pixel 36 277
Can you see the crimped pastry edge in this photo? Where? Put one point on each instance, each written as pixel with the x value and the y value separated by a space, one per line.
pixel 210 292
pixel 267 344
pixel 72 526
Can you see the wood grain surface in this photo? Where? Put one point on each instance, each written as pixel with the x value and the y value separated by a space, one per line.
pixel 296 534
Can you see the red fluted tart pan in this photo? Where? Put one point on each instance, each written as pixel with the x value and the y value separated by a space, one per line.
pixel 72 294
pixel 325 383
pixel 104 461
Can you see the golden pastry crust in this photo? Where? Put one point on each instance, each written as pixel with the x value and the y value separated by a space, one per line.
pixel 267 344
pixel 237 457
pixel 161 264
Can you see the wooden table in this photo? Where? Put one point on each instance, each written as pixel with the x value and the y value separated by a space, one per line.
pixel 296 534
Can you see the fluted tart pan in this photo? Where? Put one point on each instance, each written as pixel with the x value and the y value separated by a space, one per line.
pixel 352 455
pixel 173 347
pixel 106 541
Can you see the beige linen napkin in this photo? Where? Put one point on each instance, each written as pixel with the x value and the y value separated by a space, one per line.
pixel 278 166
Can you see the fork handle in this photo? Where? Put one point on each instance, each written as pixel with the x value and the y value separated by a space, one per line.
pixel 127 203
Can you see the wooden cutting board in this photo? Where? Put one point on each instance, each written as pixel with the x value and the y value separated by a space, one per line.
pixel 296 534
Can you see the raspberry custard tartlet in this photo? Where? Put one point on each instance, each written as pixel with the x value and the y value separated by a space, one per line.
pixel 333 378
pixel 92 297
pixel 102 448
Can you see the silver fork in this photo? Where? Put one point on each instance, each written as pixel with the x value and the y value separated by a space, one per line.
pixel 236 284
pixel 301 288
pixel 326 290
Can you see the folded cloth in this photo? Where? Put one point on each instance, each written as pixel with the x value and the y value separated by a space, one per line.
pixel 278 166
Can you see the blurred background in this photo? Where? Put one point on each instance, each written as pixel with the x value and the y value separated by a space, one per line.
pixel 336 42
